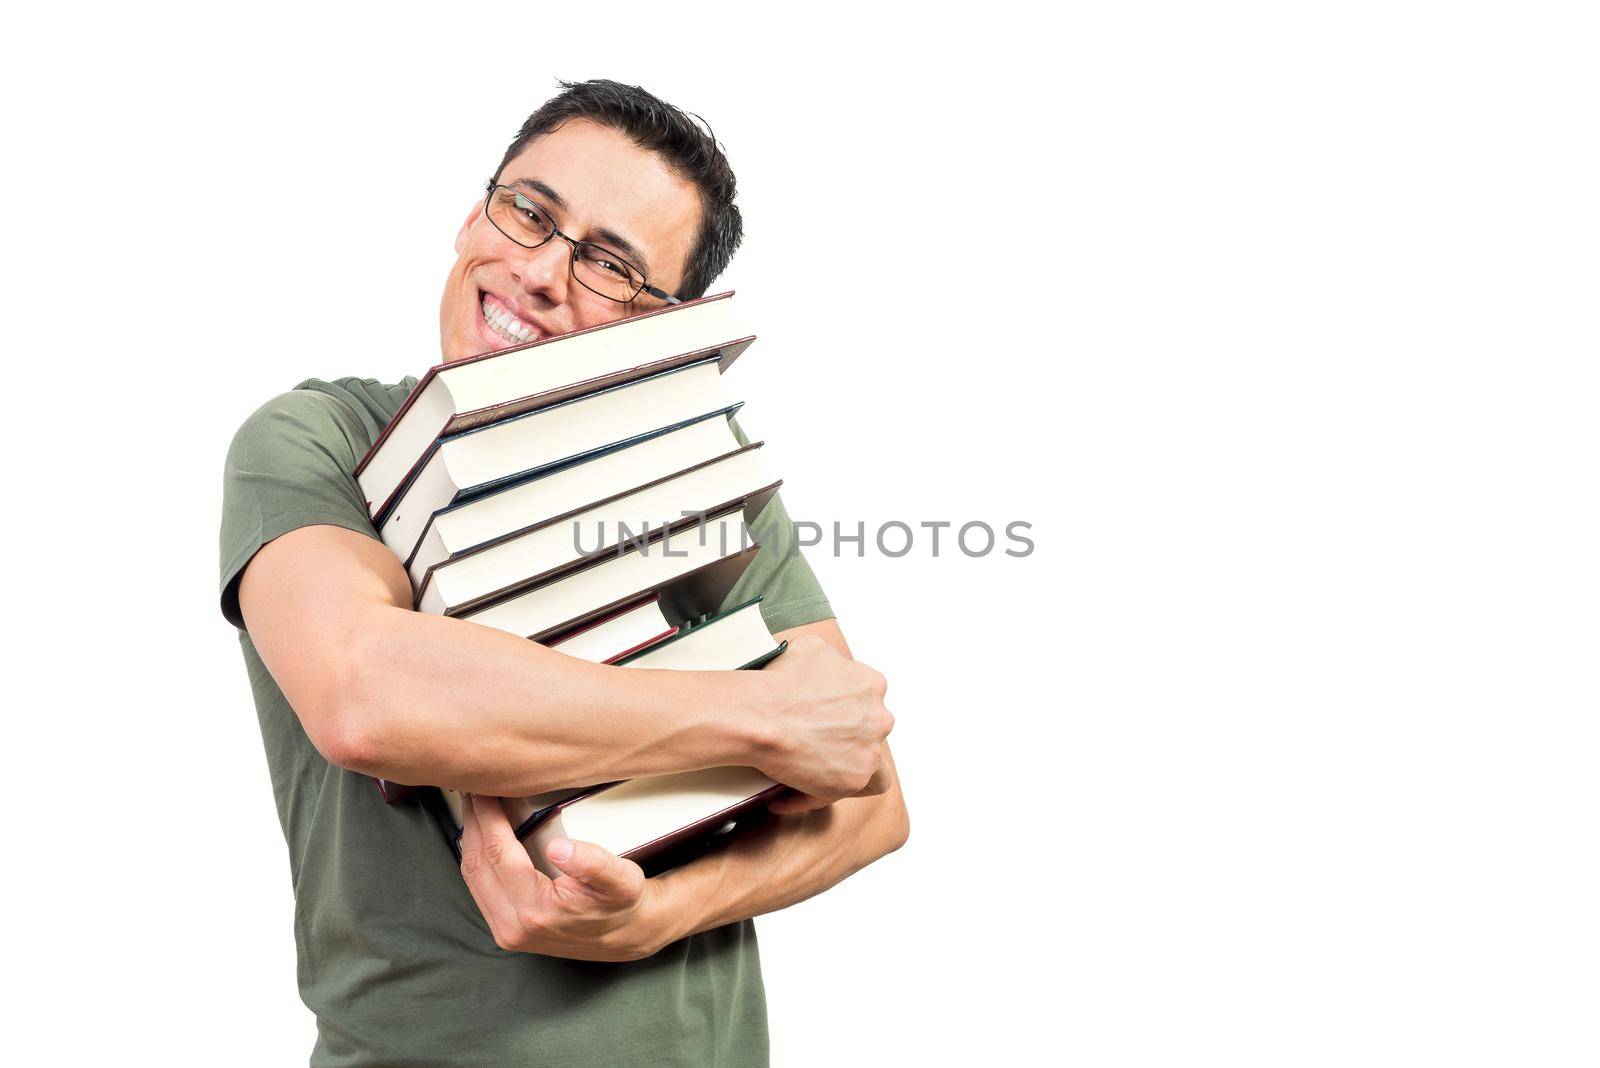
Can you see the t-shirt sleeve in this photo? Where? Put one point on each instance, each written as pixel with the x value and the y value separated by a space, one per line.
pixel 790 593
pixel 291 465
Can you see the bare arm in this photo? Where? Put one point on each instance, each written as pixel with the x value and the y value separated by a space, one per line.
pixel 771 868
pixel 400 695
pixel 602 907
pixel 790 860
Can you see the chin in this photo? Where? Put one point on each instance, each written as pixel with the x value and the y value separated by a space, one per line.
pixel 460 346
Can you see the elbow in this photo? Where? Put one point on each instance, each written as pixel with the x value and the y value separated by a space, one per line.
pixel 902 830
pixel 345 727
pixel 350 740
pixel 897 829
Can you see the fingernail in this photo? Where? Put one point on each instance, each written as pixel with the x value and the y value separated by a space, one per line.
pixel 560 849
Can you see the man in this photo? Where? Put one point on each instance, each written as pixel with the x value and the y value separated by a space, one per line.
pixel 404 958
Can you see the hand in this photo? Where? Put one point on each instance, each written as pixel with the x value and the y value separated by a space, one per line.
pixel 795 803
pixel 830 722
pixel 601 908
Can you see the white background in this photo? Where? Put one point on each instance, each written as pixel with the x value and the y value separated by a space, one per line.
pixel 1277 322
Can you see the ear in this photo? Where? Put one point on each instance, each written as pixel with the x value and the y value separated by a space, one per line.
pixel 466 227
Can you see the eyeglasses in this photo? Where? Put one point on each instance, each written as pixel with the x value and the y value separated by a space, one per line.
pixel 596 268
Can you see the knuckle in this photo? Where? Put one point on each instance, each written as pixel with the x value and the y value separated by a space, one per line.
pixel 494 851
pixel 471 862
pixel 633 951
pixel 622 889
pixel 529 921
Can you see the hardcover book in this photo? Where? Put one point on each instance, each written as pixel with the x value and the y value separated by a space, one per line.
pixel 646 818
pixel 588 492
pixel 693 573
pixel 641 819
pixel 463 394
pixel 464 527
pixel 630 629
pixel 530 555
pixel 477 461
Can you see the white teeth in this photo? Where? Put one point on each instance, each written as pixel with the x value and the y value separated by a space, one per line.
pixel 507 324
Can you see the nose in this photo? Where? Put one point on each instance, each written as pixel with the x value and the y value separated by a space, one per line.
pixel 545 272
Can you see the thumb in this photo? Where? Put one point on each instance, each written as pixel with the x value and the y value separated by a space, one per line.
pixel 795 803
pixel 604 875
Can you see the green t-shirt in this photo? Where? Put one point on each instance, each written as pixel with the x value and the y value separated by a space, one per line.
pixel 394 959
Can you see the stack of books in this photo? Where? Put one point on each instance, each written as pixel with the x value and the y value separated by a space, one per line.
pixel 588 492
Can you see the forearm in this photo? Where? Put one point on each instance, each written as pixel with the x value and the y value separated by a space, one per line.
pixel 423 699
pixel 793 858
pixel 454 704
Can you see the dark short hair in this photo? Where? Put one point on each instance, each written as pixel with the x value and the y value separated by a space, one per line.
pixel 683 141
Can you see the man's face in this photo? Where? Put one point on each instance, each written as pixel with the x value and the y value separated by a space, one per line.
pixel 598 186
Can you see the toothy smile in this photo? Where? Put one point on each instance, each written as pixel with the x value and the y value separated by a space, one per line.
pixel 505 323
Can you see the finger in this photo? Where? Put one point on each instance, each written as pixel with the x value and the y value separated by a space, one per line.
pixel 601 875
pixel 503 853
pixel 878 784
pixel 485 888
pixel 471 840
pixel 523 899
pixel 796 803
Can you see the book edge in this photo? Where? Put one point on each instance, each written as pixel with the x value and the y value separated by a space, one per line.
pixel 438 368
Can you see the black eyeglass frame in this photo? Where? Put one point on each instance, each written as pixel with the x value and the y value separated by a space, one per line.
pixel 572 260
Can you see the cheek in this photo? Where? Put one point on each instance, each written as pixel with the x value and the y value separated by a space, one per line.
pixel 470 261
pixel 594 311
pixel 460 305
pixel 473 249
pixel 471 231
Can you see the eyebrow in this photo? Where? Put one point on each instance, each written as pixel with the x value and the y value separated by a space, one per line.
pixel 607 236
pixel 611 239
pixel 533 185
